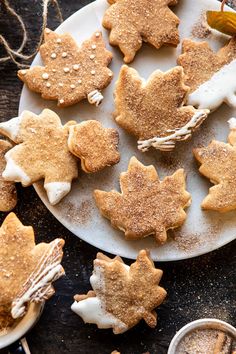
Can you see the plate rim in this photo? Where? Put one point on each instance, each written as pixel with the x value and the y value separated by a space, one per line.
pixel 66 224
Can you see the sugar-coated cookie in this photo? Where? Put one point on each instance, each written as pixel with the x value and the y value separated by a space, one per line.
pixel 8 195
pixel 70 73
pixel 96 146
pixel 131 22
pixel 42 153
pixel 27 269
pixel 48 150
pixel 218 163
pixel 154 110
pixel 210 75
pixel 122 295
pixel 146 206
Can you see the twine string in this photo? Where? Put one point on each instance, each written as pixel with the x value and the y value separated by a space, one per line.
pixel 13 54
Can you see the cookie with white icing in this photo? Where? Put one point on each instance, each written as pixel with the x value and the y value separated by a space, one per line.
pixel 210 75
pixel 96 146
pixel 70 73
pixel 122 296
pixel 218 164
pixel 8 195
pixel 154 110
pixel 41 153
pixel 27 269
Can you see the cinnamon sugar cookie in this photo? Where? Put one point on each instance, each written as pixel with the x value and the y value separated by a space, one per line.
pixel 122 295
pixel 71 73
pixel 210 75
pixel 48 150
pixel 41 153
pixel 154 110
pixel 95 145
pixel 131 22
pixel 8 196
pixel 146 206
pixel 27 269
pixel 218 163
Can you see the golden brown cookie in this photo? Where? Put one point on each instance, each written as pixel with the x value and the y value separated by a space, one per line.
pixel 96 146
pixel 8 196
pixel 27 270
pixel 131 22
pixel 218 163
pixel 70 73
pixel 210 75
pixel 154 110
pixel 48 150
pixel 146 206
pixel 42 153
pixel 122 295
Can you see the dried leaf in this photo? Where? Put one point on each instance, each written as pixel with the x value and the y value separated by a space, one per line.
pixel 223 21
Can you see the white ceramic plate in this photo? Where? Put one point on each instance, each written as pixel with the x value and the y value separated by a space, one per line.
pixel 203 231
pixel 23 326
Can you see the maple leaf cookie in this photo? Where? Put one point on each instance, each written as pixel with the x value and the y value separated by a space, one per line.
pixel 8 197
pixel 71 73
pixel 48 150
pixel 42 152
pixel 122 295
pixel 95 145
pixel 131 22
pixel 146 206
pixel 154 110
pixel 218 163
pixel 27 269
pixel 210 75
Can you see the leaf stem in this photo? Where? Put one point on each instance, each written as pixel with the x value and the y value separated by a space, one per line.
pixel 222 5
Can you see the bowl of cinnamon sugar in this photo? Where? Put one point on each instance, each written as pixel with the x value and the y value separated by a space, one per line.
pixel 204 336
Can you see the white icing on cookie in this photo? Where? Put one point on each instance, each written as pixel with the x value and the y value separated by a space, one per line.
pixel 95 97
pixel 13 172
pixel 232 123
pixel 56 191
pixel 168 142
pixel 220 88
pixel 49 270
pixel 93 309
pixel 12 127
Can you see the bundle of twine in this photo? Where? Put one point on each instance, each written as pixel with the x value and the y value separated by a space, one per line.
pixel 16 55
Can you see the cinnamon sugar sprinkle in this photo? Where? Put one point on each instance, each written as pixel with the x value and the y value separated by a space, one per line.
pixel 78 214
pixel 190 241
pixel 200 28
pixel 207 341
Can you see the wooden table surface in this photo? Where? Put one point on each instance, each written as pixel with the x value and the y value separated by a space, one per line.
pixel 197 288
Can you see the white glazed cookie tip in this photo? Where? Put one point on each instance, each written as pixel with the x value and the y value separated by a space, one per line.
pixel 56 191
pixel 220 88
pixel 13 172
pixel 12 127
pixel 95 97
pixel 91 310
pixel 232 123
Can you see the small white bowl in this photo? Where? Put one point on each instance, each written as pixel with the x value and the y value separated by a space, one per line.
pixel 24 325
pixel 204 323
